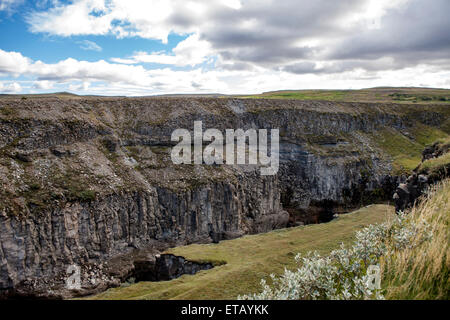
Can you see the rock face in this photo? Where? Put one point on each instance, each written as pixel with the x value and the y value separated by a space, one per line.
pixel 407 193
pixel 312 181
pixel 89 182
pixel 434 151
pixel 78 233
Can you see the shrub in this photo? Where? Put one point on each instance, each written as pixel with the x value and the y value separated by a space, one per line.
pixel 343 273
pixel 86 195
pixel 35 187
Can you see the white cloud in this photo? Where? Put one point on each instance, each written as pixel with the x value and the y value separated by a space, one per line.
pixel 13 63
pixel 6 5
pixel 43 85
pixel 124 61
pixel 371 13
pixel 70 69
pixel 72 19
pixel 190 52
pixel 243 35
pixel 89 45
pixel 257 45
pixel 105 78
pixel 266 33
pixel 13 87
pixel 151 19
pixel 79 87
pixel 235 4
pixel 97 17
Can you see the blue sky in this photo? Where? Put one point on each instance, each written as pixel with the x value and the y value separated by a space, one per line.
pixel 15 36
pixel 142 47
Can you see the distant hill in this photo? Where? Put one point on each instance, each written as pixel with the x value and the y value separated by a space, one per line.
pixel 378 94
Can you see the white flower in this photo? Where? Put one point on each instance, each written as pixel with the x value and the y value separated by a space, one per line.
pixel 342 274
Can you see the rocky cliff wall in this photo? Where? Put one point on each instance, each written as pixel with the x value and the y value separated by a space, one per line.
pixel 42 244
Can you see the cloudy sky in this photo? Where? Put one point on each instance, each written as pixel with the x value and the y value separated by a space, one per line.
pixel 145 47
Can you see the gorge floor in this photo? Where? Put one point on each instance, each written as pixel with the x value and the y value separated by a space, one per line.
pixel 241 263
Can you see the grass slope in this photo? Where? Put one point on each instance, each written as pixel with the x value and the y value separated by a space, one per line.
pixel 423 271
pixel 250 258
pixel 439 164
pixel 406 151
pixel 436 163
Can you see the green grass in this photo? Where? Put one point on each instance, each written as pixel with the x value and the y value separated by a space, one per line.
pixel 446 125
pixel 422 272
pixel 396 95
pixel 85 195
pixel 406 151
pixel 329 95
pixel 415 97
pixel 436 163
pixel 425 135
pixel 250 258
pixel 406 154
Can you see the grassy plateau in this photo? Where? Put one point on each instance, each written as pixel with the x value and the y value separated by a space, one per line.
pixel 382 94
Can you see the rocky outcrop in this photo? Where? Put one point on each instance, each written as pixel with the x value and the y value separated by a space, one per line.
pixel 407 193
pixel 435 150
pixel 89 182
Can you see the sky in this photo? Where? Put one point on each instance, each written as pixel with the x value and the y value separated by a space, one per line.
pixel 149 47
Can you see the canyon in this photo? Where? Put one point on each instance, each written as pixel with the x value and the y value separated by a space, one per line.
pixel 89 181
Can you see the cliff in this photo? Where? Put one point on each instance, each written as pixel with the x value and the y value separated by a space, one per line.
pixel 88 180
